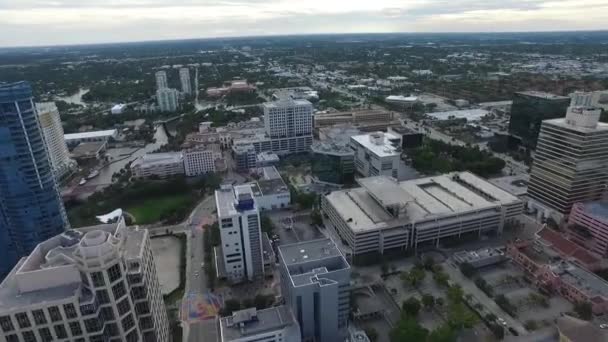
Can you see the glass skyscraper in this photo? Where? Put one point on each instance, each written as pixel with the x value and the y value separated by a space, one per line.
pixel 31 210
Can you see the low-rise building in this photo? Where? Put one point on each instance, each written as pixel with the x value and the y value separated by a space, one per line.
pixel 118 109
pixel 409 138
pixel 88 151
pixel 200 161
pixel 384 214
pixel 588 226
pixel 244 156
pixel 74 139
pixel 267 159
pixel 377 154
pixel 480 258
pixel 400 100
pixel 356 117
pixel 160 165
pixel 270 191
pixel 275 324
pixel 467 114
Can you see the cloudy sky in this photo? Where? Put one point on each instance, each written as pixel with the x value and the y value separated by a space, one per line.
pixel 49 22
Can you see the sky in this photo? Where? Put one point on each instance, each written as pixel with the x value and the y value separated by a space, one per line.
pixel 53 22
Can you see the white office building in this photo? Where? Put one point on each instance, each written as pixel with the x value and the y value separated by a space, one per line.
pixel 161 80
pixel 184 78
pixel 571 162
pixel 199 161
pixel 593 99
pixel 384 214
pixel 377 154
pixel 168 99
pixel 239 257
pixel 288 124
pixel 270 191
pixel 94 284
pixel 161 165
pixel 52 131
pixel 275 324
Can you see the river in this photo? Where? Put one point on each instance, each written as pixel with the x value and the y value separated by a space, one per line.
pixel 105 174
pixel 74 98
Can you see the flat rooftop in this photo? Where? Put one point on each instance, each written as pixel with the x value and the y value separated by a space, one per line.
pixel 384 147
pixel 88 149
pixel 422 199
pixel 150 159
pixel 544 95
pixel 561 122
pixel 226 198
pixel 287 103
pixel 90 135
pixel 468 114
pixel 583 280
pixel 251 322
pixel 516 185
pixel 598 209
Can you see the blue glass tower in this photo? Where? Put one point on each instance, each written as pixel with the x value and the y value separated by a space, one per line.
pixel 31 209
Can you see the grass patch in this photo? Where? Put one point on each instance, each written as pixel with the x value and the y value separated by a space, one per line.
pixel 156 209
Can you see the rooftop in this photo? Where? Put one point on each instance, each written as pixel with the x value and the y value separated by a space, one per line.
pixel 226 199
pixel 423 199
pixel 544 95
pixel 582 279
pixel 90 135
pixel 598 209
pixel 270 183
pixel 332 147
pixel 578 330
pixel 150 159
pixel 308 251
pixel 88 149
pixel 469 114
pixel 251 322
pixel 516 185
pixel 380 144
pixel 286 103
pixel 601 126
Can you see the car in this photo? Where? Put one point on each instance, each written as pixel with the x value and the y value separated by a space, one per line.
pixel 502 321
pixel 203 264
pixel 604 326
pixel 196 274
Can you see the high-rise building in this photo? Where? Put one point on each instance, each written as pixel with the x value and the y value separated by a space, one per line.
pixel 93 284
pixel 377 154
pixel 52 132
pixel 168 99
pixel 161 80
pixel 289 125
pixel 528 111
pixel 315 283
pixel 240 232
pixel 244 156
pixel 570 163
pixel 31 209
pixel 184 77
pixel 274 324
pixel 595 99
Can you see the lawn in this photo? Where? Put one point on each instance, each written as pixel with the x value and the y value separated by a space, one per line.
pixel 155 209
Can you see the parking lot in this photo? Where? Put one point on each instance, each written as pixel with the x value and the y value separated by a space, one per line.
pixel 293 227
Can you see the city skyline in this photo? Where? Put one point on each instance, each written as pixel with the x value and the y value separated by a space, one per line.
pixel 35 23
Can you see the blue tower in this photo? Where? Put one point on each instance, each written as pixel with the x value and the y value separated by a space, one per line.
pixel 31 210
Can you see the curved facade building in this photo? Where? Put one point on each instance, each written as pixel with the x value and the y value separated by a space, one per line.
pixel 31 210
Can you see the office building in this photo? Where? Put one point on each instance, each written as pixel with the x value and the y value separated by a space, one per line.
pixel 168 99
pixel 588 226
pixel 409 138
pixel 93 284
pixel 528 111
pixel 161 165
pixel 266 159
pixel 161 80
pixel 31 209
pixel 355 117
pixel 315 284
pixel 270 191
pixel 288 124
pixel 239 257
pixel 377 154
pixel 275 324
pixel 52 132
pixel 571 162
pixel 244 156
pixel 333 163
pixel 384 214
pixel 184 78
pixel 594 99
pixel 200 161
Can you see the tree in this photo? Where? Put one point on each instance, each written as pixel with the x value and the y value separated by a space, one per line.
pixel 441 278
pixel 444 333
pixel 316 217
pixel 262 302
pixel 408 330
pixel 372 334
pixel 414 277
pixel 384 268
pixel 428 301
pixel 411 307
pixel 266 224
pixel 584 310
pixel 230 306
pixel 428 263
pixel 531 325
pixel 497 330
pixel 467 269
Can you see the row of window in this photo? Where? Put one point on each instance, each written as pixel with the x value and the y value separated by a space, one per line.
pixel 40 318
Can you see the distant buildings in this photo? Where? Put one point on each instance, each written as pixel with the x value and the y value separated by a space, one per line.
pixel 184 77
pixel 52 131
pixel 168 99
pixel 594 99
pixel 570 163
pixel 377 154
pixel 161 165
pixel 236 86
pixel 400 100
pixel 31 209
pixel 270 325
pixel 161 80
pixel 333 163
pixel 315 283
pixel 384 214
pixel 95 284
pixel 74 139
pixel 528 111
pixel 467 114
pixel 239 257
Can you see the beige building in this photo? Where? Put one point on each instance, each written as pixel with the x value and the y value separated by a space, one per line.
pixel 52 131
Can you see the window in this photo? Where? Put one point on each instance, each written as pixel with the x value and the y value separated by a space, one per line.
pixel 119 290
pixel 98 338
pixel 6 323
pixel 142 308
pixel 132 336
pixel 139 292
pixel 23 320
pixel 127 322
pixel 124 306
pixel 146 323
pixel 12 338
pixel 60 331
pixel 97 278
pixel 107 314
pixel 45 335
pixel 28 336
pixel 39 317
pixel 92 325
pixel 75 328
pixel 70 310
pixel 55 314
pixel 114 273
pixel 134 278
pixel 112 329
pixel 103 297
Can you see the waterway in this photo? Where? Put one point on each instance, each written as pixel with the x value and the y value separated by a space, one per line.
pixel 120 157
pixel 74 98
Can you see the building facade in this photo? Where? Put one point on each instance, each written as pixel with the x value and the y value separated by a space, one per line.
pixel 333 163
pixel 168 99
pixel 571 162
pixel 528 111
pixel 161 80
pixel 588 226
pixel 52 132
pixel 31 209
pixel 199 161
pixel 96 284
pixel 377 154
pixel 245 156
pixel 275 324
pixel 161 165
pixel 240 232
pixel 595 99
pixel 288 124
pixel 184 78
pixel 315 284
